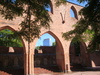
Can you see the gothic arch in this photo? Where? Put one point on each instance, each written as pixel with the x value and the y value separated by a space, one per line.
pixel 23 42
pixel 74 11
pixel 59 52
pixel 51 6
pixel 82 57
pixel 6 27
pixel 12 29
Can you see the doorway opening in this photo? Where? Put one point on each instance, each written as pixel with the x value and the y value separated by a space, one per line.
pixel 46 54
pixel 78 56
pixel 11 53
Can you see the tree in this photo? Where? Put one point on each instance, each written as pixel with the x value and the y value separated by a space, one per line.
pixel 31 25
pixel 34 13
pixel 88 25
pixel 7 41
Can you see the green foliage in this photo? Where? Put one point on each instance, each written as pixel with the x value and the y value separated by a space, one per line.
pixel 9 10
pixel 54 44
pixel 88 27
pixel 59 2
pixel 6 39
pixel 76 43
pixel 82 1
pixel 30 26
pixel 88 35
pixel 38 47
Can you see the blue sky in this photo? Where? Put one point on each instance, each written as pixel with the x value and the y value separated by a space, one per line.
pixel 45 36
pixel 75 1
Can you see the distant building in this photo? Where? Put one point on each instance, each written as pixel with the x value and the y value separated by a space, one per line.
pixel 47 42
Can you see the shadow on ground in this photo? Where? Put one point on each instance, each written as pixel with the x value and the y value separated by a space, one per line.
pixel 12 72
pixel 81 68
pixel 48 70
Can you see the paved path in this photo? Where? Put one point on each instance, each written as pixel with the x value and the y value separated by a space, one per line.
pixel 87 71
pixel 76 73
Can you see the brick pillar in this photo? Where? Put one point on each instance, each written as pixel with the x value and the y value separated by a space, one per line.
pixel 28 64
pixel 31 65
pixel 68 63
pixel 67 56
pixel 29 60
pixel 25 64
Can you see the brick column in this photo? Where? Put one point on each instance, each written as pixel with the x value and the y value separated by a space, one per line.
pixel 28 64
pixel 25 64
pixel 31 65
pixel 67 56
pixel 67 66
pixel 29 60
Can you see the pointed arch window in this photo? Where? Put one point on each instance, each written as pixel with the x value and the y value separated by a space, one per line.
pixel 73 12
pixel 49 7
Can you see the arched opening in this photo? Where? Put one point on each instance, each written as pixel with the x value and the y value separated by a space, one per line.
pixel 50 57
pixel 49 7
pixel 78 55
pixel 11 52
pixel 73 12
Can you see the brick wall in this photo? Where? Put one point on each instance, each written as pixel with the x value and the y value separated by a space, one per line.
pixel 11 58
pixel 95 58
pixel 8 49
pixel 46 56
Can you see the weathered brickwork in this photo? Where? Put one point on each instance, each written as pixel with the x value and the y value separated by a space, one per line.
pixel 11 57
pixel 62 22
